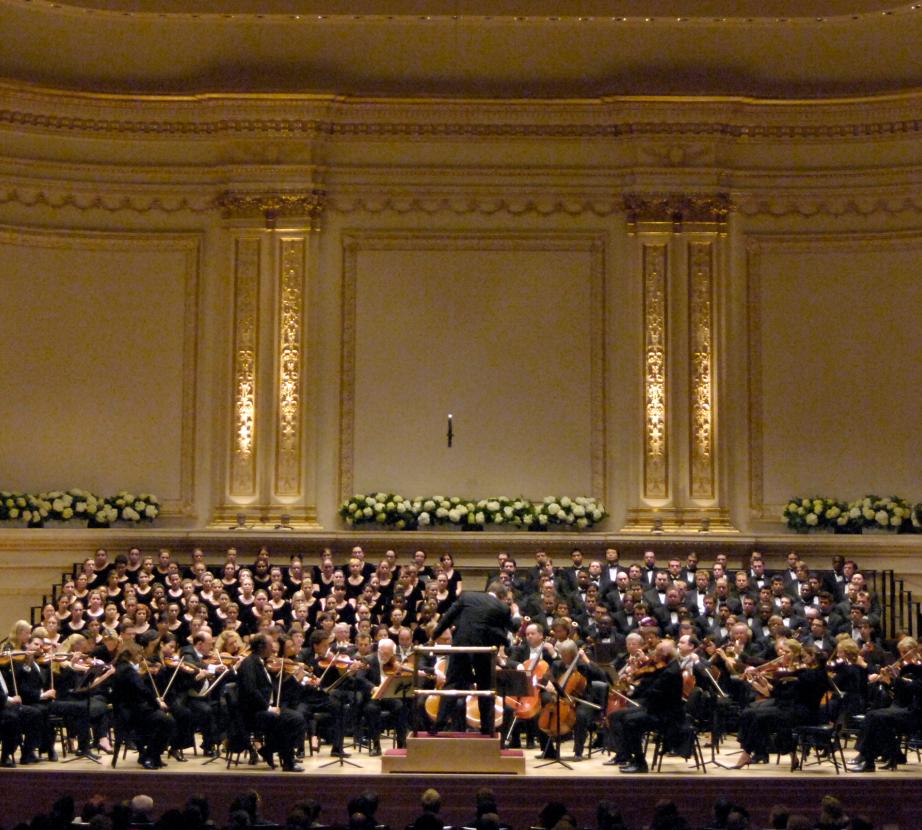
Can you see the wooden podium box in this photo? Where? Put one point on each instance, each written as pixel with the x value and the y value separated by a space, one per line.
pixel 454 752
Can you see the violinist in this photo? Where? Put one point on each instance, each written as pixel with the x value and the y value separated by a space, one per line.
pixel 172 679
pixel 879 734
pixel 261 707
pixel 139 703
pixel 20 725
pixel 203 706
pixel 323 710
pixel 581 686
pixel 848 675
pixel 657 702
pixel 371 674
pixel 35 682
pixel 85 680
pixel 797 687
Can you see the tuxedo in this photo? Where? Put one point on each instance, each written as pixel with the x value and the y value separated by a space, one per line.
pixel 479 620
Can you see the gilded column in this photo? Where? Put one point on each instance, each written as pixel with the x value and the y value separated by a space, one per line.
pixel 290 367
pixel 245 368
pixel 701 370
pixel 655 466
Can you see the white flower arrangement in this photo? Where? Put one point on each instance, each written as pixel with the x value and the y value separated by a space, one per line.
pixel 870 512
pixel 391 510
pixel 580 512
pixel 79 506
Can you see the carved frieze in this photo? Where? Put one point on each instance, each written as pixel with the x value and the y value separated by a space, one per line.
pixel 246 317
pixel 701 369
pixel 290 368
pixel 656 482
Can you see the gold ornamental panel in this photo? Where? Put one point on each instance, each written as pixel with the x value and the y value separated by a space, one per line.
pixel 656 484
pixel 290 368
pixel 701 368
pixel 246 311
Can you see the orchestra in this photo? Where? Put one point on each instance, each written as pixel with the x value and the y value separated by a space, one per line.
pixel 609 652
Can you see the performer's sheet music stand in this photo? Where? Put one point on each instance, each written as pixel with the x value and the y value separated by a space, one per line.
pixel 511 683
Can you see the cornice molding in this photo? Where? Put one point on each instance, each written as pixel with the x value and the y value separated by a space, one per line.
pixel 33 109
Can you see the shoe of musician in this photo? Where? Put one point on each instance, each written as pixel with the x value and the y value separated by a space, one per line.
pixel 178 755
pixel 374 750
pixel 547 756
pixel 759 758
pixel 577 758
pixel 860 764
pixel 158 762
pixel 340 753
pixel 7 762
pixel 147 763
pixel 892 764
pixel 104 747
pixel 88 754
pixel 266 755
pixel 612 762
pixel 29 758
pixel 292 767
pixel 636 766
pixel 52 755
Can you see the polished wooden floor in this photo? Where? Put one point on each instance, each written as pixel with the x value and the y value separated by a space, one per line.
pixel 892 799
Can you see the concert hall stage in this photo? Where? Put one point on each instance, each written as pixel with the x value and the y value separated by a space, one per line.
pixel 891 800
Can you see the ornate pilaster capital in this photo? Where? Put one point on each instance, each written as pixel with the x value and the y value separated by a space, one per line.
pixel 677 210
pixel 272 206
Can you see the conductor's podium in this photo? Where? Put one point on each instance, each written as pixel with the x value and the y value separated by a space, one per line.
pixel 454 752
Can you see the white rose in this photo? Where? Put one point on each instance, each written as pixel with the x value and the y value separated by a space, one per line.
pixel 58 505
pixel 579 511
pixel 581 523
pixel 868 514
pixel 367 512
pixel 596 515
pixel 855 512
pixel 424 518
pixel 565 502
pixel 842 520
pixel 492 505
pixel 792 506
pixel 896 521
pixel 812 519
pixel 67 513
pixel 508 512
pixel 441 513
pixel 833 512
pixel 14 512
pixel 553 509
pixel 479 518
pixel 381 518
pixel 881 517
pixel 151 511
pixel 528 519
pixel 429 504
pixel 389 506
pixel 542 519
pixel 379 507
pixel 454 516
pixel 445 503
pixel 370 501
pixel 498 519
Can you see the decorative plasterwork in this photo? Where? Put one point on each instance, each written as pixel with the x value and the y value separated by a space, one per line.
pixel 321 117
pixel 677 211
pixel 701 369
pixel 190 246
pixel 290 359
pixel 355 242
pixel 272 206
pixel 243 409
pixel 757 245
pixel 655 462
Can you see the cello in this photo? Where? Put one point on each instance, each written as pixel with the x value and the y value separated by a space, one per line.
pixel 558 717
pixel 528 706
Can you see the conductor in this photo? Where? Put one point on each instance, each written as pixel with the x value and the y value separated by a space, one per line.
pixel 480 620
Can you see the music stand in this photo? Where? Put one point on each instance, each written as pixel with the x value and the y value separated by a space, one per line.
pixel 341 729
pixel 511 683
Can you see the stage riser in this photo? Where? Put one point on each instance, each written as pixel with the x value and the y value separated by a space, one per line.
pixel 890 800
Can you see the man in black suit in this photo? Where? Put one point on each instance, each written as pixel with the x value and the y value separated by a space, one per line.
pixel 282 727
pixel 479 620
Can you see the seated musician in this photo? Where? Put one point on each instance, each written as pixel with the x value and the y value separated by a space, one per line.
pixel 571 665
pixel 527 655
pixel 657 701
pixel 35 682
pixel 144 712
pixel 370 672
pixel 796 686
pixel 879 736
pixel 280 726
pixel 202 705
pixel 19 725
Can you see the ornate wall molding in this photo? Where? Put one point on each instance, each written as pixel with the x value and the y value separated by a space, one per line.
pixel 290 359
pixel 677 211
pixel 272 206
pixel 245 367
pixel 701 369
pixel 354 242
pixel 151 117
pixel 655 439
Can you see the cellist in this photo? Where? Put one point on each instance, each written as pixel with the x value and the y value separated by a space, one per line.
pixel 534 656
pixel 573 673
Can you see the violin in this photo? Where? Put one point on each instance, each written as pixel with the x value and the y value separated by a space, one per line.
pixel 178 663
pixel 8 657
pixel 394 668
pixel 336 661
